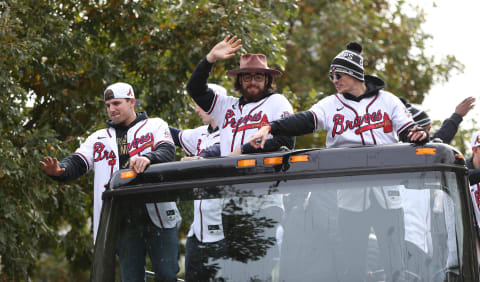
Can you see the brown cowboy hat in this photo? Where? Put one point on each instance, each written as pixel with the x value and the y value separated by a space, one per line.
pixel 253 63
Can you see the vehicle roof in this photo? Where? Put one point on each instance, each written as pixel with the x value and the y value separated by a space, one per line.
pixel 400 157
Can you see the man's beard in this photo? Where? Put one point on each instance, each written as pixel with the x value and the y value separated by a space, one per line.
pixel 253 97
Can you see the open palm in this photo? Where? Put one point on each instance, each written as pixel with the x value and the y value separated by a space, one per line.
pixel 51 167
pixel 225 49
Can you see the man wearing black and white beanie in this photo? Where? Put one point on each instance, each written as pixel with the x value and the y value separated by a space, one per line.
pixel 360 113
pixel 349 62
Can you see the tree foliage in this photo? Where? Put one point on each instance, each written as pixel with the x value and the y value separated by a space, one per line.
pixel 57 56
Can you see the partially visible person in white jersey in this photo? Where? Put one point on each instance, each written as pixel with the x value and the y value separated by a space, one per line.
pixel 360 113
pixel 473 164
pixel 205 239
pixel 195 141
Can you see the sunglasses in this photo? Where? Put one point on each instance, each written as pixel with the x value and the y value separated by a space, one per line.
pixel 257 77
pixel 337 76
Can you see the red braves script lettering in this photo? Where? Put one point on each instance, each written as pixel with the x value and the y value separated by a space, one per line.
pixel 140 144
pixel 256 120
pixel 230 120
pixel 140 141
pixel 99 153
pixel 341 125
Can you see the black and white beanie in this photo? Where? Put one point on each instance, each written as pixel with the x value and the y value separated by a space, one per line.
pixel 418 115
pixel 349 61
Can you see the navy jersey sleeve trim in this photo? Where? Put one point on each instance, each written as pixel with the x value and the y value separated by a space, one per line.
pixel 175 132
pixel 211 152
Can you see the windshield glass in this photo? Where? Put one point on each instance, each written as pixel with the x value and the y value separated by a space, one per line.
pixel 386 227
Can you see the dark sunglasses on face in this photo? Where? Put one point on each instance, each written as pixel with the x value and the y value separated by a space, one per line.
pixel 337 76
pixel 257 77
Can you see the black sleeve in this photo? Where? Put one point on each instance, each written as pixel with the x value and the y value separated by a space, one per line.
pixel 283 131
pixel 74 168
pixel 175 132
pixel 403 136
pixel 294 125
pixel 165 152
pixel 197 86
pixel 271 145
pixel 211 152
pixel 449 128
pixel 474 176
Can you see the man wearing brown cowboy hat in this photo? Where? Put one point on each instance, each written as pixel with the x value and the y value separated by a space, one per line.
pixel 238 120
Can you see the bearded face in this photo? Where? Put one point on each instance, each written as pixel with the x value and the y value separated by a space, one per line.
pixel 253 86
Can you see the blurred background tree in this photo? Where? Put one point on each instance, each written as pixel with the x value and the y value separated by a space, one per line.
pixel 57 57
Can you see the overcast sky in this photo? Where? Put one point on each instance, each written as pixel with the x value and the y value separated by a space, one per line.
pixel 454 25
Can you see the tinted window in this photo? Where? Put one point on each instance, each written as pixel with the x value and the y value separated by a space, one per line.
pixel 373 227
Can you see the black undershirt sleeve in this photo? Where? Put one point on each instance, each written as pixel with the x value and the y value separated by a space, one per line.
pixel 165 152
pixel 197 86
pixel 74 168
pixel 271 145
pixel 449 128
pixel 294 125
pixel 284 130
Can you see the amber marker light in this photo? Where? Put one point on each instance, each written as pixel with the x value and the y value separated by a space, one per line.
pixel 128 174
pixel 426 151
pixel 299 158
pixel 246 163
pixel 272 161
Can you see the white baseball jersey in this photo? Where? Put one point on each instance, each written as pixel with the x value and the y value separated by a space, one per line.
pixel 238 123
pixel 373 120
pixel 195 141
pixel 100 152
pixel 417 217
pixel 207 220
pixel 475 191
pixel 207 214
